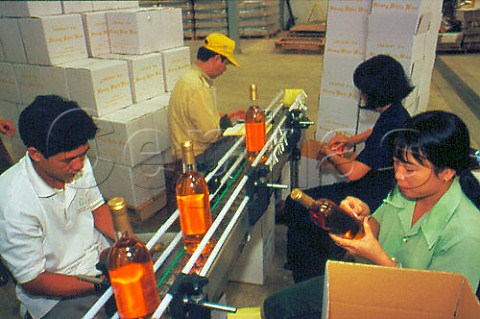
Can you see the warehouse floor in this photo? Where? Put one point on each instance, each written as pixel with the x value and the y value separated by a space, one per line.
pixel 455 87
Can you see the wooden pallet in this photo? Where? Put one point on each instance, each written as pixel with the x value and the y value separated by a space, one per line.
pixel 309 37
pixel 147 210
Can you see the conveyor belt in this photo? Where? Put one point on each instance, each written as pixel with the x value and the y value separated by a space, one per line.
pixel 230 212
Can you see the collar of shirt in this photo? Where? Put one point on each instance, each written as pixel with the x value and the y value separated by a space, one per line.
pixel 435 220
pixel 204 75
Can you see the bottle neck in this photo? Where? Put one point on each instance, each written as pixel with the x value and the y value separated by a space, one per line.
pixel 122 224
pixel 253 92
pixel 302 198
pixel 188 158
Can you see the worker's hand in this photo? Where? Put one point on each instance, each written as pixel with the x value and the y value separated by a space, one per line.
pixel 355 207
pixel 7 128
pixel 366 247
pixel 102 286
pixel 225 122
pixel 344 140
pixel 237 116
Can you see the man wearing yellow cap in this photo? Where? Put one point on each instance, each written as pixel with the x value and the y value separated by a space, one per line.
pixel 192 112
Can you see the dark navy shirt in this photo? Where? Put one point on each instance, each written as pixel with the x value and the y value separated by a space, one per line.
pixel 376 154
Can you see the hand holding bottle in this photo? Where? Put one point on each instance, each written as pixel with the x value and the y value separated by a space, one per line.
pixel 366 247
pixel 355 207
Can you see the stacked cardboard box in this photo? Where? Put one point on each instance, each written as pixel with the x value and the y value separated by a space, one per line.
pixel 117 61
pixel 210 16
pixel 187 13
pixel 259 18
pixel 357 30
pixel 470 19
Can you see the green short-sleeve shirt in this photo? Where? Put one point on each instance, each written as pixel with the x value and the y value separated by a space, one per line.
pixel 447 238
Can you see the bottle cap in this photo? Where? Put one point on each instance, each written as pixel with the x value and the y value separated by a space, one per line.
pixel 253 92
pixel 296 193
pixel 117 203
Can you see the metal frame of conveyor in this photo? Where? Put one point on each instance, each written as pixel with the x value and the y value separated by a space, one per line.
pixel 230 208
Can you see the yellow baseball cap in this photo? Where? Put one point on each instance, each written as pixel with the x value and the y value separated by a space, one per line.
pixel 222 45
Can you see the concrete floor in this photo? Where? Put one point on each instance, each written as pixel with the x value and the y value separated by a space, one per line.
pixel 271 71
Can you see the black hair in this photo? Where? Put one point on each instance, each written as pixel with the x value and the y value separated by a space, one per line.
pixel 443 139
pixel 383 80
pixel 205 54
pixel 54 125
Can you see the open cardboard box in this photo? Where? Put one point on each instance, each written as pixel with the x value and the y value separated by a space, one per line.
pixel 372 292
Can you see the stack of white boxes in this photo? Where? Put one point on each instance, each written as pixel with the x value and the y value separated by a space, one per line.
pixel 358 30
pixel 118 61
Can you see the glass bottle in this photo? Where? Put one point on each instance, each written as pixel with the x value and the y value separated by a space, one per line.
pixel 193 202
pixel 255 129
pixel 130 269
pixel 329 216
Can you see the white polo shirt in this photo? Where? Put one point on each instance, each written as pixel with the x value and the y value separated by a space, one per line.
pixel 46 229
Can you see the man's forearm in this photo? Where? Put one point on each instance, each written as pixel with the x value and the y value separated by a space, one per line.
pixel 57 285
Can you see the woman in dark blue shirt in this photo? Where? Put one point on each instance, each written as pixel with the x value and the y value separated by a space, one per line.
pixel 383 85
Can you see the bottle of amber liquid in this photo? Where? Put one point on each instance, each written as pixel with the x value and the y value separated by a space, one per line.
pixel 130 269
pixel 193 202
pixel 329 216
pixel 255 130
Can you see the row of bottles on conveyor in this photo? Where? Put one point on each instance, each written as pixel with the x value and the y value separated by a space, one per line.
pixel 129 262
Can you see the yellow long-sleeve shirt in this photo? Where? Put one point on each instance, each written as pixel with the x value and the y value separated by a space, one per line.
pixel 192 112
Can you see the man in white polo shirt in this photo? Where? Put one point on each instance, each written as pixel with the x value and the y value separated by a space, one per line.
pixel 53 219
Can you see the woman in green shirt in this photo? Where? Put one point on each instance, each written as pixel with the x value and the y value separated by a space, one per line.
pixel 430 221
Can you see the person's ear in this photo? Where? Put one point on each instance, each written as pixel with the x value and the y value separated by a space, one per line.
pixel 34 154
pixel 447 174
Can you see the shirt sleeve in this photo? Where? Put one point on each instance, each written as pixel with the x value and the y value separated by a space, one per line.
pixel 22 237
pixel 463 257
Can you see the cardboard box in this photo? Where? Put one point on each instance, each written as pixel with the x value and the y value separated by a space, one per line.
pixel 99 86
pixel 2 54
pixel 159 106
pixel 337 77
pixel 76 6
pixel 372 292
pixel 139 31
pixel 136 184
pixel 134 31
pixel 127 136
pixel 403 36
pixel 11 40
pixel 14 146
pixel 96 33
pixel 308 166
pixel 127 4
pixel 146 74
pixel 347 27
pixel 53 40
pixel 176 61
pixel 104 5
pixel 30 8
pixel 34 80
pixel 404 7
pixel 8 83
pixel 335 114
pixel 170 28
pixel 258 252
